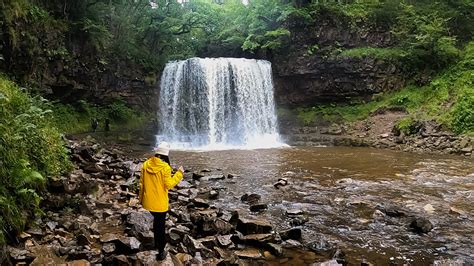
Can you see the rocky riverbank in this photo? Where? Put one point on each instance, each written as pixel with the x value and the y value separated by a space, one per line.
pixel 379 131
pixel 92 216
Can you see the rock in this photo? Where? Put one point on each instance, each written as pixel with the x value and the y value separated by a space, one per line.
pixel 213 177
pixel 249 254
pixel 292 244
pixel 209 241
pixel 385 135
pixel 183 184
pixel 206 170
pixel 51 225
pixel 20 255
pixel 78 263
pixel 457 211
pixel 421 225
pixel 109 237
pixel 197 176
pixel 213 194
pixel 35 231
pixel 200 203
pixel 108 248
pixel 141 224
pixel 320 246
pixel 195 246
pixel 184 258
pixel 258 240
pixel 83 240
pixel 281 183
pixel 393 211
pixel 224 240
pixel 220 226
pixel 121 260
pixel 231 175
pixel 128 244
pixel 275 249
pixel 293 233
pixel 429 208
pixel 247 226
pixel 297 221
pixel 148 258
pixel 294 212
pixel 327 263
pixel 258 207
pixel 251 198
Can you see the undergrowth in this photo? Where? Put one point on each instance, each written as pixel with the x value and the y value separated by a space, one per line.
pixel 78 118
pixel 448 99
pixel 31 151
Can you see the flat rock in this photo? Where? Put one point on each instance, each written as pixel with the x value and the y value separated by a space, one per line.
pixel 294 212
pixel 248 226
pixel 249 253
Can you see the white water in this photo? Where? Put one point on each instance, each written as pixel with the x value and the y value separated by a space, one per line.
pixel 218 103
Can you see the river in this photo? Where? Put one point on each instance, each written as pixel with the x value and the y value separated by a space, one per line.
pixel 340 189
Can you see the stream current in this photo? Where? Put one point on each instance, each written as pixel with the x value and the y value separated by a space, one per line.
pixel 340 191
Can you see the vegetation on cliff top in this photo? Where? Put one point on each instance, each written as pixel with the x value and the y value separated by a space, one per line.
pixel 448 99
pixel 31 151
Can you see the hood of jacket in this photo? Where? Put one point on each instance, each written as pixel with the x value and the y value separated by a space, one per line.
pixel 154 165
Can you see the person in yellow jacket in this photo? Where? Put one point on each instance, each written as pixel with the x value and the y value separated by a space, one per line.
pixel 155 181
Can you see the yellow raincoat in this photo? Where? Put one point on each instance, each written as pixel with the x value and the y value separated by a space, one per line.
pixel 155 181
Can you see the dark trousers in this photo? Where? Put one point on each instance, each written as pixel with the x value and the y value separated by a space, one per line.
pixel 159 230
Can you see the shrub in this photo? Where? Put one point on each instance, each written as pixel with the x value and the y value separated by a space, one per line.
pixel 31 149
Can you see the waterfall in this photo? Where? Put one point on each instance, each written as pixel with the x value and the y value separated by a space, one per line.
pixel 218 103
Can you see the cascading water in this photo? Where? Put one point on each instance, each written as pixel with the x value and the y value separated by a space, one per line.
pixel 218 103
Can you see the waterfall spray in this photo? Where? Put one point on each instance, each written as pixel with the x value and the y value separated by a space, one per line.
pixel 218 103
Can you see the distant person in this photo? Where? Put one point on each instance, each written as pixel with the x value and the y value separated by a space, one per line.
pixel 155 181
pixel 94 124
pixel 107 124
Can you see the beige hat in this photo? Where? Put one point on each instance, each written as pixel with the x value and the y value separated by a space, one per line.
pixel 163 148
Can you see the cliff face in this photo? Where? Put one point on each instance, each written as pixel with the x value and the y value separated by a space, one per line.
pixel 67 67
pixel 311 72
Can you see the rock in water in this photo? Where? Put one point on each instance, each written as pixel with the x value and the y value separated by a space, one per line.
pixel 421 225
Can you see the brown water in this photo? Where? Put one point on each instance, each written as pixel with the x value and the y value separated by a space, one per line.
pixel 340 188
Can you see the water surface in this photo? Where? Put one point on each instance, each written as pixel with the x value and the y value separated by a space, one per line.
pixel 340 188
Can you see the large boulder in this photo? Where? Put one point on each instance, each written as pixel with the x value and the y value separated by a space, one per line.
pixel 140 225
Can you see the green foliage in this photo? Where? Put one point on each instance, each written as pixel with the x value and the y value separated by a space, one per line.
pixel 31 149
pixel 375 52
pixel 448 99
pixel 78 118
pixel 407 126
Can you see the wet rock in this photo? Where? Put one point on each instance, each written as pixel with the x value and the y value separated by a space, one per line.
pixel 281 183
pixel 213 194
pixel 231 175
pixel 224 240
pixel 200 203
pixel 294 212
pixel 292 244
pixel 248 226
pixel 275 249
pixel 327 263
pixel 249 254
pixel 297 221
pixel 184 258
pixel 213 177
pixel 293 233
pixel 141 224
pixel 195 246
pixel 258 240
pixel 429 208
pixel 251 198
pixel 320 246
pixel 258 207
pixel 121 260
pixel 149 258
pixel 197 176
pixel 20 255
pixel 108 248
pixel 209 241
pixel 421 225
pixel 83 240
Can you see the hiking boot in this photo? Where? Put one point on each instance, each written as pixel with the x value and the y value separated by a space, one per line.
pixel 162 255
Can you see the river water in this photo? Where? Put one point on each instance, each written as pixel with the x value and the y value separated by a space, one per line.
pixel 340 190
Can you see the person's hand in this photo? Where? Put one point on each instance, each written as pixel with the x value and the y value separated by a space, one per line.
pixel 181 169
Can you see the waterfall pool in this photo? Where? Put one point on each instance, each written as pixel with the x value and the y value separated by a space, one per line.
pixel 342 190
